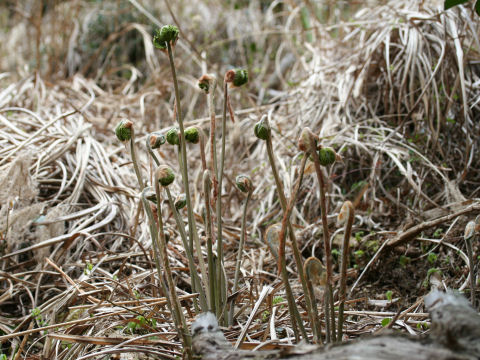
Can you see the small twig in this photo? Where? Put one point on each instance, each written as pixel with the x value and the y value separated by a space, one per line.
pixel 414 231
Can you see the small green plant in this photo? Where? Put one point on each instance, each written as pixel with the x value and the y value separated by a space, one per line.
pixel 432 258
pixel 139 323
pixel 386 321
pixel 132 326
pixel 431 272
pixel 359 235
pixel 37 315
pixel 277 300
pixel 359 253
pixel 265 316
pixel 372 246
pixel 88 268
pixel 438 233
pixel 389 295
pixel 404 260
pixel 423 326
pixel 335 253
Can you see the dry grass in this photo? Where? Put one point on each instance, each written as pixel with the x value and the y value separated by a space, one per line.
pixel 395 90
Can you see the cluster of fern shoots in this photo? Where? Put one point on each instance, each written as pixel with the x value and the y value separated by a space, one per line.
pixel 210 281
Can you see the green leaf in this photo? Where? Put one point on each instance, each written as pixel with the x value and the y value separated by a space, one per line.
pixel 386 321
pixel 432 257
pixel 451 3
pixel 277 300
pixel 477 7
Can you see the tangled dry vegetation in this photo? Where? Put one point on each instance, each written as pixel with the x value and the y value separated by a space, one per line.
pixel 394 87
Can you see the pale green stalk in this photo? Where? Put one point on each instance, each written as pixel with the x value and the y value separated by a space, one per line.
pixel 156 251
pixel 326 236
pixel 202 149
pixel 152 153
pixel 343 270
pixel 314 318
pixel 179 316
pixel 201 263
pixel 283 203
pixel 183 165
pixel 281 255
pixel 208 230
pixel 220 277
pixel 213 145
pixel 196 284
pixel 159 250
pixel 191 262
pixel 134 160
pixel 239 254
